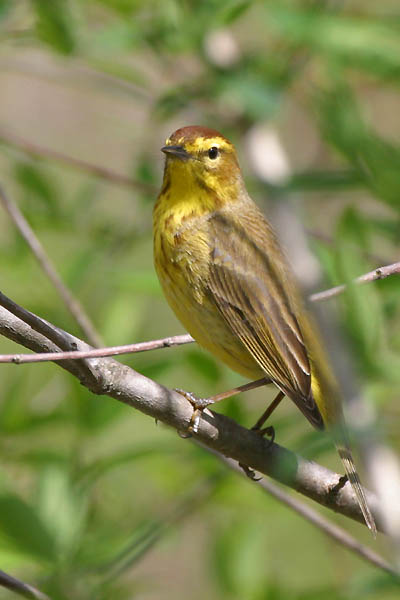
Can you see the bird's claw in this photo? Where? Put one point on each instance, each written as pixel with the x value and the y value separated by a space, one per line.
pixel 335 489
pixel 270 431
pixel 250 473
pixel 198 404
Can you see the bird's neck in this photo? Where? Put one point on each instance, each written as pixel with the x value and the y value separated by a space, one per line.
pixel 184 193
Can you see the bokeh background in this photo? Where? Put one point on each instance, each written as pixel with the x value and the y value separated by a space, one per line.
pixel 96 501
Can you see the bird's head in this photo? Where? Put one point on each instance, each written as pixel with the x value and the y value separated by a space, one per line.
pixel 202 157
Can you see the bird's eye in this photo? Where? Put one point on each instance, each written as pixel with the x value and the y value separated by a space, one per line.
pixel 213 152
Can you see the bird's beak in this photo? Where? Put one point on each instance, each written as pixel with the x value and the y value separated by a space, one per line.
pixel 178 151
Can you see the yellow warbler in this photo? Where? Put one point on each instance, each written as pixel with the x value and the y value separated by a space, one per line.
pixel 227 280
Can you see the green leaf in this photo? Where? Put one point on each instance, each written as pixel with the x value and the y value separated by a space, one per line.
pixel 364 317
pixel 249 92
pixel 145 170
pixel 37 458
pixel 327 257
pixel 113 40
pixel 341 120
pixel 369 43
pixel 173 101
pixel 236 559
pixel 388 228
pixel 61 507
pixel 344 126
pixel 321 180
pixel 102 465
pixel 232 11
pixel 38 188
pixel 22 525
pixel 367 585
pixel 54 24
pixel 5 6
pixel 123 7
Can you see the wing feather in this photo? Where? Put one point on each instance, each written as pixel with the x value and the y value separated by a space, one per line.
pixel 254 295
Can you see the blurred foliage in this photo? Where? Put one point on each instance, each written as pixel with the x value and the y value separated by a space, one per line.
pixel 95 500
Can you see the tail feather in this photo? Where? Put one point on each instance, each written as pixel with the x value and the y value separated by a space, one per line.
pixel 354 479
pixel 327 396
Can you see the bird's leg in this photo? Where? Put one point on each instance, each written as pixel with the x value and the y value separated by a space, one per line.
pixel 199 404
pixel 238 390
pixel 265 416
pixel 266 431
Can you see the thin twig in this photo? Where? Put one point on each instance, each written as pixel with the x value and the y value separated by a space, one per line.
pixel 216 431
pixel 103 172
pixel 72 304
pixel 380 273
pixel 307 512
pixel 61 338
pixel 177 340
pixel 19 587
pixel 168 342
pixel 84 76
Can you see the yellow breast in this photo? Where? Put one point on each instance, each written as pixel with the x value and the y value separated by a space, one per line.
pixel 182 258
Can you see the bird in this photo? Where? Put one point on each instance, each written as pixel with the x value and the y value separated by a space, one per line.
pixel 226 277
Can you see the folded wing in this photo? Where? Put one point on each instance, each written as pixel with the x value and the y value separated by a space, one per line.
pixel 253 290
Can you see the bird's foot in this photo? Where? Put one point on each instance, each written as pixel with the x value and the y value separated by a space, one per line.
pixel 250 473
pixel 335 489
pixel 270 431
pixel 199 404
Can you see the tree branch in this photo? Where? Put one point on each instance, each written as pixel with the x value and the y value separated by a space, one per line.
pixel 60 338
pixel 168 342
pixel 312 516
pixel 216 431
pixel 102 172
pixel 380 273
pixel 19 587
